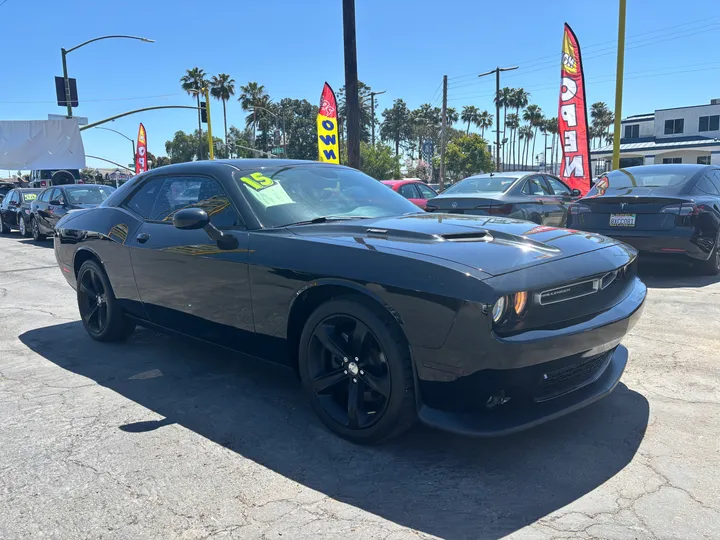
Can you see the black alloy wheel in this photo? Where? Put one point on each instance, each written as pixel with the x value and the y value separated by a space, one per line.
pixel 102 317
pixel 355 364
pixel 35 228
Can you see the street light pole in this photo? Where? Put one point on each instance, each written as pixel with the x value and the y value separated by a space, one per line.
pixel 372 105
pixel 123 135
pixel 64 52
pixel 351 85
pixel 497 71
pixel 277 119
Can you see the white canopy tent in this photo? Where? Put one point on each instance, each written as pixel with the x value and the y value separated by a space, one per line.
pixel 41 144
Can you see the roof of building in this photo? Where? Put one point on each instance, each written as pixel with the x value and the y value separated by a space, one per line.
pixel 639 118
pixel 651 143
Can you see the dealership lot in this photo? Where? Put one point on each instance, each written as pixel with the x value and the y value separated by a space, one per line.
pixel 165 438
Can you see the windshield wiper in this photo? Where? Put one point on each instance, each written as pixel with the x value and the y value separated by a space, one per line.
pixel 321 219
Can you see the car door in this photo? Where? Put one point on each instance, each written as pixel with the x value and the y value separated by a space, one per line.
pixel 41 210
pixel 426 193
pixel 563 196
pixel 540 207
pixel 185 281
pixel 6 209
pixel 57 207
pixel 410 192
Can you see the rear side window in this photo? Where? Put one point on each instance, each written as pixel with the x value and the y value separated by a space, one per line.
pixel 535 186
pixel 425 191
pixel 558 187
pixel 142 201
pixel 705 185
pixel 409 192
pixel 182 192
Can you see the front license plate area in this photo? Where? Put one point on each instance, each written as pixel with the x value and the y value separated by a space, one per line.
pixel 622 220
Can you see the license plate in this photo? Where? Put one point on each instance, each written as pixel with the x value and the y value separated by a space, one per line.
pixel 622 220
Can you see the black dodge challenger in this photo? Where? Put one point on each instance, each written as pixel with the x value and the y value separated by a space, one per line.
pixel 478 325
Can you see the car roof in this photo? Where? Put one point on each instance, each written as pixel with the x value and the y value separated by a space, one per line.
pixel 508 174
pixel 398 182
pixel 681 168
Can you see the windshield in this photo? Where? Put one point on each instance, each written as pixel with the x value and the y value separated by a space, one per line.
pixel 88 194
pixel 290 194
pixel 484 184
pixel 652 176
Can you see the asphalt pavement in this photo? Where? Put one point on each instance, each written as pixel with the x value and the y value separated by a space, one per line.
pixel 162 438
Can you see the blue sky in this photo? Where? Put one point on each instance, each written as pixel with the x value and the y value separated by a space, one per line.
pixel 293 46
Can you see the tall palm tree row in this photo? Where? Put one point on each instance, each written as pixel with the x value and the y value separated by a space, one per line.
pixel 513 122
pixel 193 83
pixel 502 99
pixel 525 134
pixel 253 95
pixel 520 100
pixel 471 115
pixel 533 115
pixel 222 87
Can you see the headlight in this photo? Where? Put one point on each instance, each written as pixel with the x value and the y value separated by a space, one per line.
pixel 498 310
pixel 520 302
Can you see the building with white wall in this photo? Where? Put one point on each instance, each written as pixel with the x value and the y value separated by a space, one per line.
pixel 680 135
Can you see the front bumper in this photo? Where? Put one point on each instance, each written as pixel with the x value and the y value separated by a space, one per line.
pixel 511 418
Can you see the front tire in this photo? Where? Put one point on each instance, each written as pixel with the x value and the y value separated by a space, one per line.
pixel 35 228
pixel 101 315
pixel 355 367
pixel 3 228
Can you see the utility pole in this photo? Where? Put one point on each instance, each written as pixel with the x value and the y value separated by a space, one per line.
pixel 497 71
pixel 351 85
pixel 442 134
pixel 619 86
pixel 546 134
pixel 372 105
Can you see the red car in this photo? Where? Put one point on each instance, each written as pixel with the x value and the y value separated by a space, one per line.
pixel 413 190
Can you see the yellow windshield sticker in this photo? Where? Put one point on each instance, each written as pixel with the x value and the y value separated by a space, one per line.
pixel 258 181
pixel 29 196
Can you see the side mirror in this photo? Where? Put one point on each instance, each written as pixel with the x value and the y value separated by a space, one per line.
pixel 576 192
pixel 192 219
pixel 55 202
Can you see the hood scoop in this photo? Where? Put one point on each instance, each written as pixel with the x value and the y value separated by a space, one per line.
pixel 470 236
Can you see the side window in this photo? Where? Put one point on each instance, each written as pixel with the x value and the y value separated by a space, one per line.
pixel 535 186
pixel 409 192
pixel 142 201
pixel 182 192
pixel 54 195
pixel 715 179
pixel 426 192
pixel 6 200
pixel 45 196
pixel 13 197
pixel 59 196
pixel 557 186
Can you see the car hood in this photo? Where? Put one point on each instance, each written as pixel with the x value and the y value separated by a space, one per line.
pixel 493 245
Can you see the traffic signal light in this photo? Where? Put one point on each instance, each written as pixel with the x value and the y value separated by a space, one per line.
pixel 203 112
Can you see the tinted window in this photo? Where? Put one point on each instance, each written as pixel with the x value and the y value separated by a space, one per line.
pixel 704 185
pixel 484 184
pixel 181 192
pixel 14 197
pixel 632 132
pixel 88 194
pixel 409 192
pixel 709 123
pixel 142 201
pixel 703 160
pixel 425 192
pixel 674 160
pixel 674 127
pixel 290 194
pixel 7 199
pixel 45 196
pixel 558 187
pixel 649 176
pixel 535 186
pixel 57 195
pixel 715 179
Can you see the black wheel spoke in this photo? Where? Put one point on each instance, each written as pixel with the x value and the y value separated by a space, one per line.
pixel 84 290
pixel 91 312
pixel 381 384
pixel 358 338
pixel 97 284
pixel 325 335
pixel 324 382
pixel 102 316
pixel 352 406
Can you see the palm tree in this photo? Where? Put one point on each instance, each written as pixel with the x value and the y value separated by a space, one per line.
pixel 222 87
pixel 503 99
pixel 452 116
pixel 534 116
pixel 485 121
pixel 551 125
pixel 513 122
pixel 253 95
pixel 396 125
pixel 602 118
pixel 526 133
pixel 193 83
pixel 519 100
pixel 470 114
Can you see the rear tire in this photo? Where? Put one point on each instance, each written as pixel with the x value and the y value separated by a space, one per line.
pixel 365 391
pixel 3 228
pixel 35 228
pixel 711 267
pixel 101 315
pixel 22 226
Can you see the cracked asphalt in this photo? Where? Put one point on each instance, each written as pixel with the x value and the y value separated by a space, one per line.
pixel 160 438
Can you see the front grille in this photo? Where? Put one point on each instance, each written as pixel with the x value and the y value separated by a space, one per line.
pixel 556 383
pixel 568 292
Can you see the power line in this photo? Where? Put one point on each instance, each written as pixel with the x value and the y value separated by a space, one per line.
pixel 92 100
pixel 3 3
pixel 632 40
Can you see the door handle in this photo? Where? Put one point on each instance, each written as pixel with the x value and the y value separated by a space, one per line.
pixel 143 237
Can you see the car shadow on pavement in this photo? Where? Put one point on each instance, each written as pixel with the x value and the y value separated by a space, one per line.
pixel 42 243
pixel 437 483
pixel 671 275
